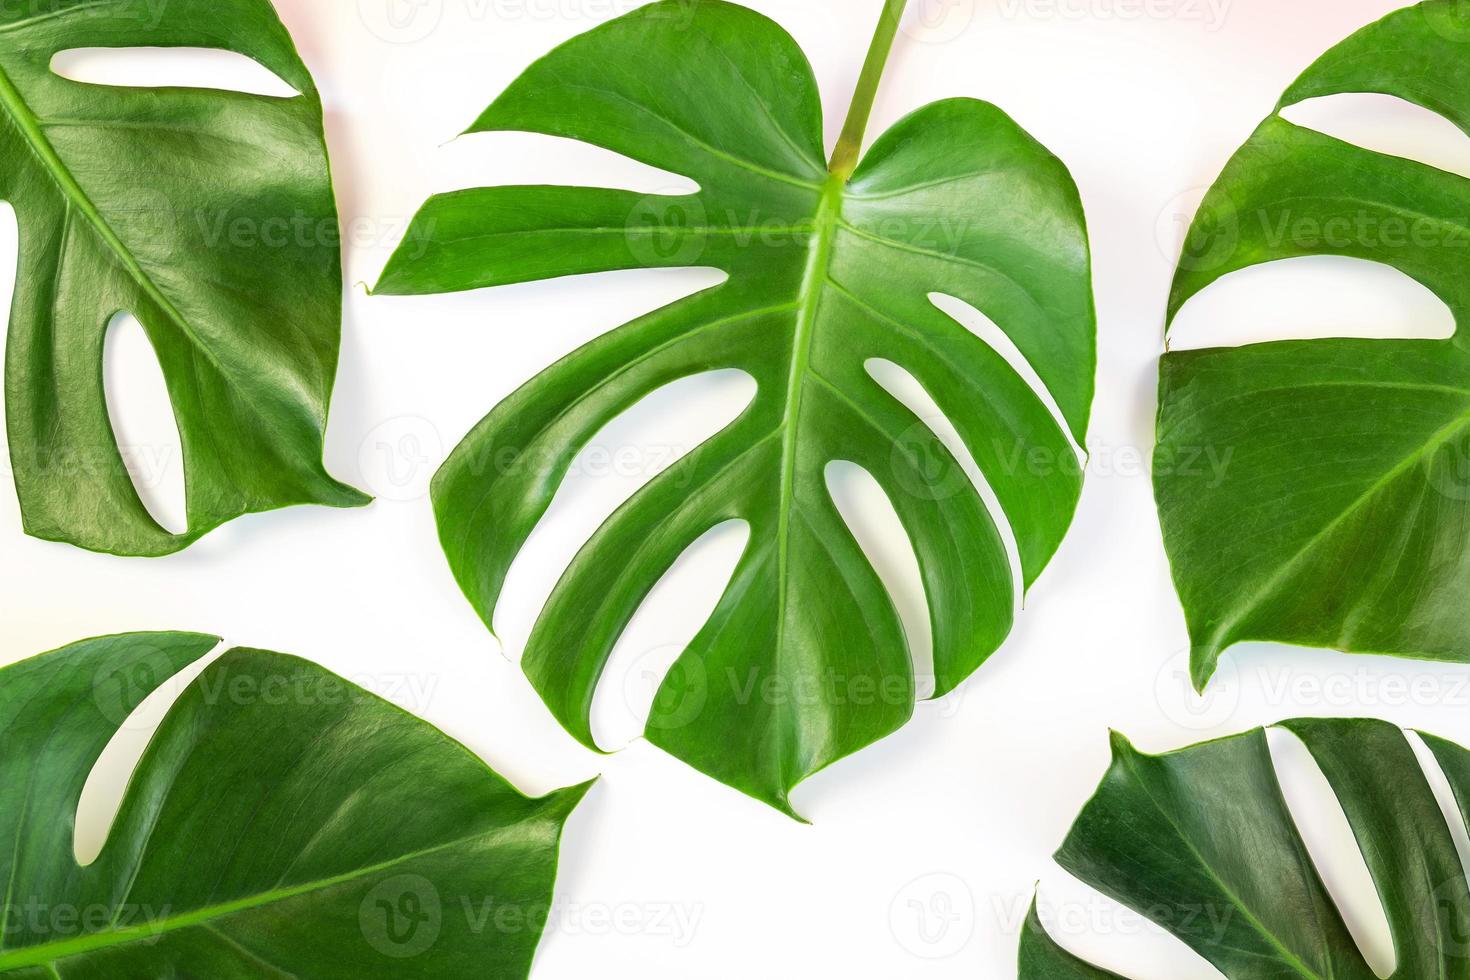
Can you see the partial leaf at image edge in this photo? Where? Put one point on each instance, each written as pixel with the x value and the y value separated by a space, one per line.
pixel 209 216
pixel 804 660
pixel 1341 518
pixel 282 822
pixel 1201 842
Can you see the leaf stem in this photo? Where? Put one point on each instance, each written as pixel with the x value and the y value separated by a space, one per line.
pixel 850 143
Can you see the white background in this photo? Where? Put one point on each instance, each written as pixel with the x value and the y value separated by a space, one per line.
pixel 924 849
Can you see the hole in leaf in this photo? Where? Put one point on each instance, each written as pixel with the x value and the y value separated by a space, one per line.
pixel 1444 794
pixel 907 389
pixel 170 68
pixel 618 461
pixel 102 793
pixel 987 330
pixel 1387 124
pixel 490 159
pixel 1329 838
pixel 9 245
pixel 1309 298
pixel 663 627
pixel 879 532
pixel 1113 936
pixel 143 422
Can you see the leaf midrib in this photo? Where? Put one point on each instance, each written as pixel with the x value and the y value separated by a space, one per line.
pixel 51 952
pixel 1289 958
pixel 1283 572
pixel 76 197
pixel 17 25
pixel 809 297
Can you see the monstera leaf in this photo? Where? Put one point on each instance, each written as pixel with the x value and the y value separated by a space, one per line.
pixel 1200 841
pixel 1341 519
pixel 282 823
pixel 828 269
pixel 207 215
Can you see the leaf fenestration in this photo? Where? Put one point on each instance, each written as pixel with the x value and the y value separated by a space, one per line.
pixel 206 214
pixel 1201 842
pixel 282 822
pixel 1341 519
pixel 804 660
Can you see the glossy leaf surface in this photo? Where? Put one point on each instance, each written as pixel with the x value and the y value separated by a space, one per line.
pixel 282 823
pixel 1341 520
pixel 1201 842
pixel 206 214
pixel 804 660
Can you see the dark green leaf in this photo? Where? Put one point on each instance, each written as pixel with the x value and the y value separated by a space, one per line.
pixel 1043 959
pixel 1201 842
pixel 804 661
pixel 206 214
pixel 282 823
pixel 1340 521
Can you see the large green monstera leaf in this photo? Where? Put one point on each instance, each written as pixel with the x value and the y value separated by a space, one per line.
pixel 1201 842
pixel 206 214
pixel 828 268
pixel 282 823
pixel 1341 520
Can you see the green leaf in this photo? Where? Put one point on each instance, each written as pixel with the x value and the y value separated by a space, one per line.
pixel 1042 959
pixel 209 216
pixel 804 661
pixel 1340 519
pixel 282 822
pixel 1201 842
